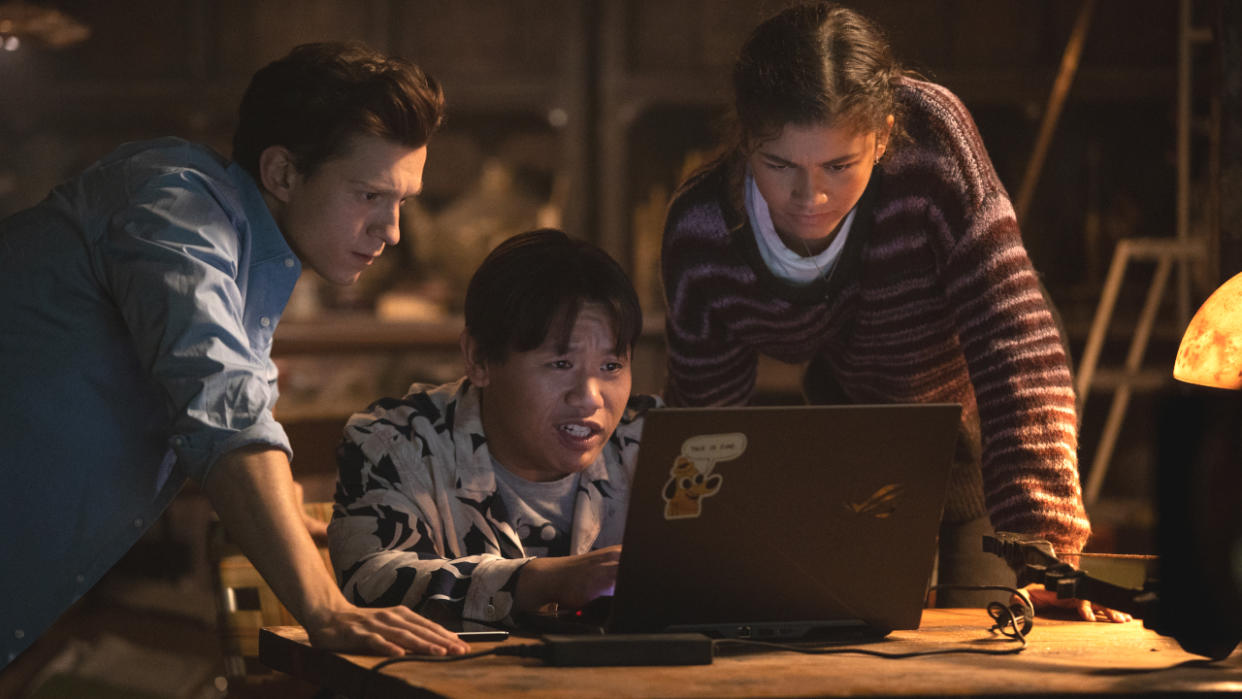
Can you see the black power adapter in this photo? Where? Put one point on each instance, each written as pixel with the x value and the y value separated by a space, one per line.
pixel 626 649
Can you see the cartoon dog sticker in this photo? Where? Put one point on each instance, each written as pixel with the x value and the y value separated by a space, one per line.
pixel 691 478
pixel 686 488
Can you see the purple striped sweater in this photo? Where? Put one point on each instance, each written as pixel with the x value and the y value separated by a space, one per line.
pixel 933 300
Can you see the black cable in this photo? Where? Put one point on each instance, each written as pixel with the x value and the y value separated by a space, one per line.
pixel 867 651
pixel 997 610
pixel 1006 618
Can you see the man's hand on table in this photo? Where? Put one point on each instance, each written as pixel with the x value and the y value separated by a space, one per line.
pixel 381 631
pixel 253 491
pixel 1046 600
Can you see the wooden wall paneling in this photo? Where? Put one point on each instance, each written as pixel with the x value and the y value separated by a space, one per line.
pixel 489 38
pixel 1011 35
pixel 1125 34
pixel 138 76
pixel 516 80
pixel 922 32
pixel 615 116
pixel 248 34
pixel 130 41
pixel 1228 24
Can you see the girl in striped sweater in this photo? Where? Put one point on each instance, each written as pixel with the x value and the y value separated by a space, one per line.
pixel 857 224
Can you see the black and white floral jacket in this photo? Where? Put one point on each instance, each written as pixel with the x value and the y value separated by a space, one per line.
pixel 418 516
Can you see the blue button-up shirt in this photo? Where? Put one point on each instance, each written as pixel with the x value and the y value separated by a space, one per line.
pixel 137 305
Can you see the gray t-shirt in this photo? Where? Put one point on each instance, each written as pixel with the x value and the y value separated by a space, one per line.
pixel 541 513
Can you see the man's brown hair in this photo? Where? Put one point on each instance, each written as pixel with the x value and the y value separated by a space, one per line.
pixel 320 95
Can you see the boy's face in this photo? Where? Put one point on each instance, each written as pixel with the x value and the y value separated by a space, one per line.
pixel 548 413
pixel 342 216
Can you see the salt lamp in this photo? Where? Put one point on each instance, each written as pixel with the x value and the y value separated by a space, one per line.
pixel 1211 350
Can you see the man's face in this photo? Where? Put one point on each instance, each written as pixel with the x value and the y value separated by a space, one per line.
pixel 342 216
pixel 547 413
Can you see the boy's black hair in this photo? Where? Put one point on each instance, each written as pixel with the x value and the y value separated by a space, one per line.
pixel 533 285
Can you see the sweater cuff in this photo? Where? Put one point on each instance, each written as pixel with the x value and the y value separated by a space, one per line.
pixel 1066 540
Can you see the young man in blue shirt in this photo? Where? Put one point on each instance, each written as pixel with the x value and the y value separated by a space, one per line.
pixel 137 306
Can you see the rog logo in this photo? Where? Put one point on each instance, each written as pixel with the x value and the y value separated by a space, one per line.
pixel 879 504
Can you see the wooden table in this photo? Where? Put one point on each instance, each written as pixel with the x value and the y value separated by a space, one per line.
pixel 1062 657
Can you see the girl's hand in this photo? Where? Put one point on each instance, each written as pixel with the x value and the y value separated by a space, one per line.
pixel 1045 601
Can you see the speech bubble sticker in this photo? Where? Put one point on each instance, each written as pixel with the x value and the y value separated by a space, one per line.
pixel 707 450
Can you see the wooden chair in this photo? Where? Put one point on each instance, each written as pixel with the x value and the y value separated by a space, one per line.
pixel 245 603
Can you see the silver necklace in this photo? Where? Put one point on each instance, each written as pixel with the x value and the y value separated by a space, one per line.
pixel 823 273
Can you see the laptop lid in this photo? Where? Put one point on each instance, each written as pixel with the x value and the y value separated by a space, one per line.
pixel 766 521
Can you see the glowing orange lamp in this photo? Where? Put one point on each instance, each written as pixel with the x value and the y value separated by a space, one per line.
pixel 1199 477
pixel 1211 349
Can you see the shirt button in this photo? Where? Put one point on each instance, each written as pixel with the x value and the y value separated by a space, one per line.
pixel 138 522
pixel 289 262
pixel 19 634
pixel 265 321
pixel 80 578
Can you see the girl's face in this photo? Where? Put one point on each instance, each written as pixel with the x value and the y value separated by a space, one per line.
pixel 812 176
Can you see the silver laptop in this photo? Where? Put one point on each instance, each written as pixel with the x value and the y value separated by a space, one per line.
pixel 777 522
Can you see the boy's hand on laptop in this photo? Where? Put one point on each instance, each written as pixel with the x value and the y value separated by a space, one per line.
pixel 569 581
pixel 1044 600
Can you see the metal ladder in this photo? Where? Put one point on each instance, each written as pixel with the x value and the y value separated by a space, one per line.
pixel 1183 250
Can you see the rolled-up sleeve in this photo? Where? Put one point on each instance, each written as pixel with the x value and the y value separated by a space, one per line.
pixel 176 260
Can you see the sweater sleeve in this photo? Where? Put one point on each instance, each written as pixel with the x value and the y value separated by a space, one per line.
pixel 1021 379
pixel 705 365
pixel 1013 348
pixel 388 538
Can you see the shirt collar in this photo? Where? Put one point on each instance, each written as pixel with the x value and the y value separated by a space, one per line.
pixel 266 239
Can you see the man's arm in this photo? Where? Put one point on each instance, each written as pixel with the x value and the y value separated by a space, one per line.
pixel 253 492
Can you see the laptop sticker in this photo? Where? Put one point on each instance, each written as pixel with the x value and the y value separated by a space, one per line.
pixel 691 478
